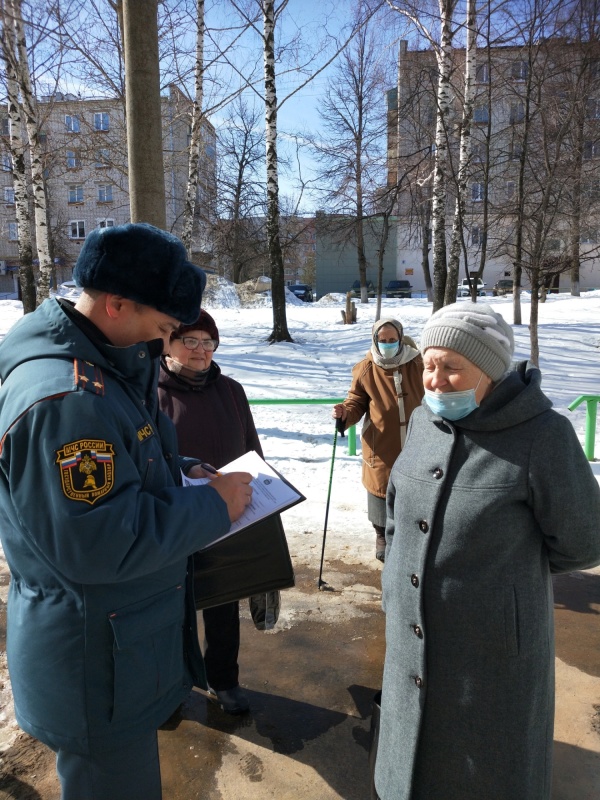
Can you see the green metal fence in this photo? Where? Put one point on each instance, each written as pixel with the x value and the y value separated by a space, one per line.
pixel 310 401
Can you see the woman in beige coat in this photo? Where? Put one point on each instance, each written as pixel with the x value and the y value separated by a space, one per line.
pixel 387 385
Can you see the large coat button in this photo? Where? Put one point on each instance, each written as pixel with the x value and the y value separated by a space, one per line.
pixel 418 631
pixel 423 526
pixel 438 473
pixel 414 579
pixel 418 682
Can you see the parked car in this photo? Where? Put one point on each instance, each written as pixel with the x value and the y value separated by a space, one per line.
pixel 398 289
pixel 302 291
pixel 502 287
pixel 67 289
pixel 465 291
pixel 355 289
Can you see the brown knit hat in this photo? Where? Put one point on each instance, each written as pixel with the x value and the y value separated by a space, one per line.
pixel 204 323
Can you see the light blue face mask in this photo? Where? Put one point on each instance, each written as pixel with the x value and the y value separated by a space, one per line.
pixel 453 405
pixel 388 350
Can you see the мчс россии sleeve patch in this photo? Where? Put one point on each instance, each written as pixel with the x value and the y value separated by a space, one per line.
pixel 87 469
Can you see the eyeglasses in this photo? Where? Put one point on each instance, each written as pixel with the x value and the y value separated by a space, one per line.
pixel 191 343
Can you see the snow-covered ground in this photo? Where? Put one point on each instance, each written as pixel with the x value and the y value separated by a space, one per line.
pixel 298 439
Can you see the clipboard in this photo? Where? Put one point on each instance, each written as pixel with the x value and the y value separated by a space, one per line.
pixel 253 556
pixel 272 493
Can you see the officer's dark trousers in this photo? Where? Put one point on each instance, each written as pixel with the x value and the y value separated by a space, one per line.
pixel 222 645
pixel 129 771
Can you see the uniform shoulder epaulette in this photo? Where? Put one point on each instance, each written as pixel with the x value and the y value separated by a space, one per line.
pixel 88 376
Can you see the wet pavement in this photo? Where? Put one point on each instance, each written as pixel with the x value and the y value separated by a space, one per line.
pixel 310 684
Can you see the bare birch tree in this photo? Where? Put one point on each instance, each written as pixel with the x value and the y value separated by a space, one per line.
pixel 19 166
pixel 280 330
pixel 29 106
pixel 443 51
pixel 457 243
pixel 196 134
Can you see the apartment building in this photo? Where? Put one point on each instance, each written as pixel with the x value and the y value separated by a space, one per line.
pixel 85 152
pixel 534 168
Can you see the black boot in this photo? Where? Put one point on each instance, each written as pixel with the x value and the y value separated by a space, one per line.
pixel 379 542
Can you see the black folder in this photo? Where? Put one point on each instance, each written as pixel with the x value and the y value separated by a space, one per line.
pixel 256 559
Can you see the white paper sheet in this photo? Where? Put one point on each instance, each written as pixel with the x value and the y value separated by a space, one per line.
pixel 270 491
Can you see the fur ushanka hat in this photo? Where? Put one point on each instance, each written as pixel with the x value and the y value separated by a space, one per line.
pixel 144 264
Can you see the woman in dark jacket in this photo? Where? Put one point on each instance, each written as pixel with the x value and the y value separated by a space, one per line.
pixel 491 494
pixel 214 423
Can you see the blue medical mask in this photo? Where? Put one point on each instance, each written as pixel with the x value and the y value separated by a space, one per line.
pixel 388 350
pixel 453 405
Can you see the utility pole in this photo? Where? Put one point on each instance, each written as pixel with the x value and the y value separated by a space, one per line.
pixel 143 110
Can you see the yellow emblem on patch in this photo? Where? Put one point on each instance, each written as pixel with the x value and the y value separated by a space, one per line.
pixel 87 469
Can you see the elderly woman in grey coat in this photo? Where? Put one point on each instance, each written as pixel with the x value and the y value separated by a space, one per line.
pixel 491 494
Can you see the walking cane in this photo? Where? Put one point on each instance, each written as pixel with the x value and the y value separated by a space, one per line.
pixel 339 427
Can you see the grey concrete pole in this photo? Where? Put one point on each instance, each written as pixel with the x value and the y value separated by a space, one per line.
pixel 143 108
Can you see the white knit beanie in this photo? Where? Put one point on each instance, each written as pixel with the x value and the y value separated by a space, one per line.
pixel 475 331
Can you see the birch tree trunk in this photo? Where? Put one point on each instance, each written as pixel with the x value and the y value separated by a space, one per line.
pixel 575 232
pixel 440 176
pixel 17 151
pixel 465 152
pixel 42 234
pixel 280 331
pixel 196 135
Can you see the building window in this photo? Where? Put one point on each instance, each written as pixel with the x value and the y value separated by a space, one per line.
pixel 6 162
pixel 101 121
pixel 477 192
pixel 483 73
pixel 9 195
pixel 13 231
pixel 591 149
pixel 476 236
pixel 516 151
pixel 589 236
pixel 593 109
pixel 595 68
pixel 519 70
pixel 77 229
pixel 106 223
pixel 5 126
pixel 591 189
pixel 510 190
pixel 76 193
pixel 105 193
pixel 72 123
pixel 478 153
pixel 517 113
pixel 481 115
pixel 102 158
pixel 73 159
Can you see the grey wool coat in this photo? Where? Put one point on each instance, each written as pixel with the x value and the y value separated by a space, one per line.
pixel 480 512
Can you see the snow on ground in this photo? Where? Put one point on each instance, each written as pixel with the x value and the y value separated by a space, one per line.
pixel 298 439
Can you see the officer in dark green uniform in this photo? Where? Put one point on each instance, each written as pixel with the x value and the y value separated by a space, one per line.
pixel 96 528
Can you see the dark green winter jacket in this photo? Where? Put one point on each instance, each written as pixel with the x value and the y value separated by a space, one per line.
pixel 97 531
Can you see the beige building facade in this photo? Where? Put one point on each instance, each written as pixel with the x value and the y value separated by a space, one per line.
pixel 534 166
pixel 85 155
